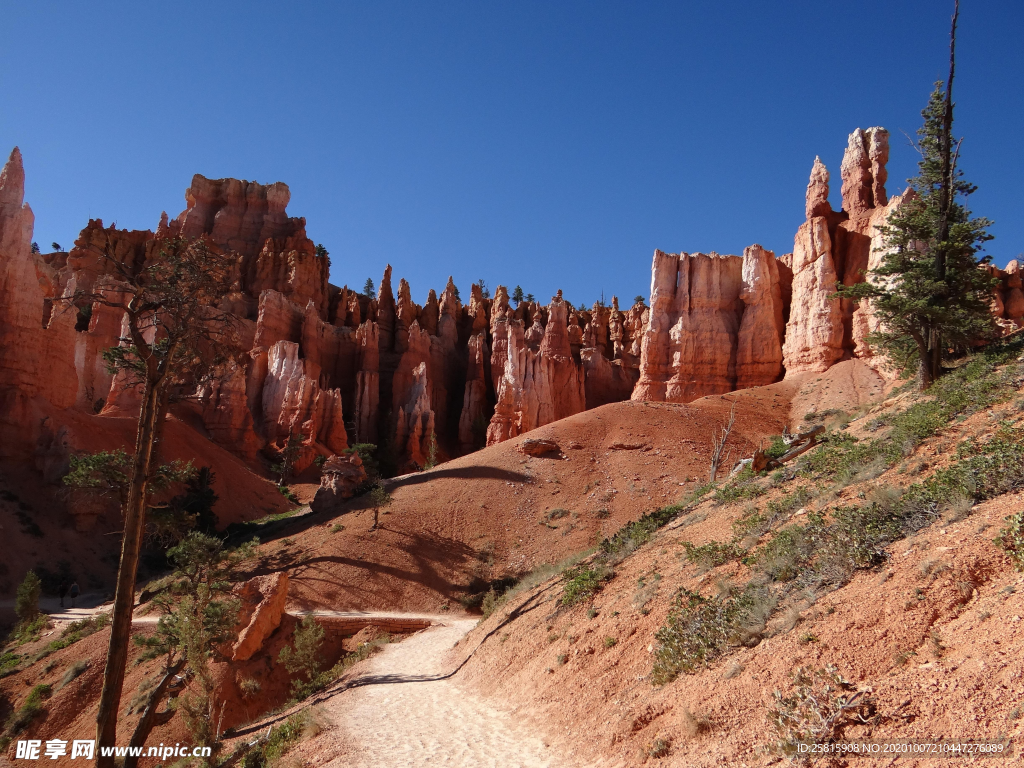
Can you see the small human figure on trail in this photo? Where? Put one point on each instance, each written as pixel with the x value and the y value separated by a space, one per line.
pixel 74 592
pixel 62 590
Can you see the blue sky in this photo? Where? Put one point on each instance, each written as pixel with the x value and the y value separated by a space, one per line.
pixel 548 144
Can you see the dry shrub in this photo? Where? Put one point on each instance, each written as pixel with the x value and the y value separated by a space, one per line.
pixel 823 704
pixel 692 725
pixel 733 669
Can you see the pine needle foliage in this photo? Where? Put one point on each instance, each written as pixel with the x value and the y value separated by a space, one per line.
pixel 931 291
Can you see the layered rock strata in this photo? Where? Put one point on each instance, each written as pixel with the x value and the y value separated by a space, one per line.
pixel 715 325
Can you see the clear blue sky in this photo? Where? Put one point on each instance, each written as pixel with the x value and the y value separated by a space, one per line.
pixel 550 144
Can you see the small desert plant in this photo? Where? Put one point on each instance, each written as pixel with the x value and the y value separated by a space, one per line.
pixel 698 630
pixel 821 706
pixel 489 603
pixel 610 642
pixel 637 533
pixel 743 486
pixel 300 726
pixel 337 528
pixel 658 748
pixel 249 687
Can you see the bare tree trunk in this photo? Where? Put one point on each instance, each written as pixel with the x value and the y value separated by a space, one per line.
pixel 150 717
pixel 925 369
pixel 152 412
pixel 718 445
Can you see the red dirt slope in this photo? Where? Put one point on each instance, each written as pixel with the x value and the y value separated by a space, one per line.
pixel 492 514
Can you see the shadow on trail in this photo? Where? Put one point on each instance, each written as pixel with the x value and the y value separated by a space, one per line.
pixel 462 473
pixel 525 607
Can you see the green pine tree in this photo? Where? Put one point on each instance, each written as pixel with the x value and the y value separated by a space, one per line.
pixel 517 295
pixel 930 292
pixel 369 289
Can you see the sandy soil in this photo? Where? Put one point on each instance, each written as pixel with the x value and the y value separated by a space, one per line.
pixel 405 711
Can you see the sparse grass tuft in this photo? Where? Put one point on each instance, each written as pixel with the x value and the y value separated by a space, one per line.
pixel 72 672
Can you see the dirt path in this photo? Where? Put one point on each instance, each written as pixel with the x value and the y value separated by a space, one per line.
pixel 404 713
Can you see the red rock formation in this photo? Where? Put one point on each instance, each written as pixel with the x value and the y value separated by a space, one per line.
pixel 367 402
pixel 298 274
pixel 294 403
pixel 36 343
pixel 262 600
pixel 241 216
pixel 415 435
pixel 226 413
pixel 759 342
pixel 1013 297
pixel 472 419
pixel 690 347
pixel 340 477
pixel 539 387
pixel 814 333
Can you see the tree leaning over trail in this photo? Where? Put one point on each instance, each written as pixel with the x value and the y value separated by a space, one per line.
pixel 174 331
pixel 931 293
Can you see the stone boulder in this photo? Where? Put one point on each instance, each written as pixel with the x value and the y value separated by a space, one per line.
pixel 262 601
pixel 340 477
pixel 538 447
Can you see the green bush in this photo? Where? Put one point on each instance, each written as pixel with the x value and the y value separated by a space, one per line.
pixel 777 449
pixel 26 600
pixel 21 718
pixel 697 631
pixel 583 581
pixel 743 486
pixel 712 554
pixel 637 533
pixel 303 658
pixel 281 739
pixel 9 662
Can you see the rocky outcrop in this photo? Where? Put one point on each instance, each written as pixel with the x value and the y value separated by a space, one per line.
pixel 340 478
pixel 261 606
pixel 414 433
pixel 241 216
pixel 37 341
pixel 762 327
pixel 814 333
pixel 473 419
pixel 537 387
pixel 294 403
pixel 838 248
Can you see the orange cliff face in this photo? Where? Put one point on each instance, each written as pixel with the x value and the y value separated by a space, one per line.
pixel 330 366
pixel 308 360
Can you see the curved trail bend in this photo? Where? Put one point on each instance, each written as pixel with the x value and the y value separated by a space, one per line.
pixel 405 712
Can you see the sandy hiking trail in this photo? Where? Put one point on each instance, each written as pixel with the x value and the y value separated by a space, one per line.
pixel 404 711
